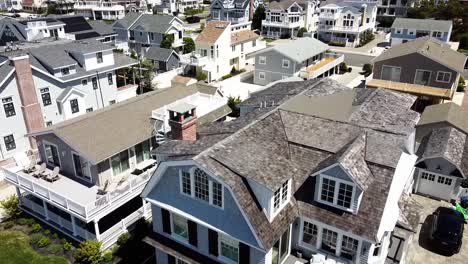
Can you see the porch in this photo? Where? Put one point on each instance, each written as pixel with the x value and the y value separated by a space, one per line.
pixel 416 89
pixel 325 66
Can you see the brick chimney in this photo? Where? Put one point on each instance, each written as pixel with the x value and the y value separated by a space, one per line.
pixel 30 107
pixel 183 121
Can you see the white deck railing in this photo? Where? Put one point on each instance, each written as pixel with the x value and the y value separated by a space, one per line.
pixel 131 187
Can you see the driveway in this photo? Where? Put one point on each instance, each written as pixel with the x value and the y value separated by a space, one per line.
pixel 419 251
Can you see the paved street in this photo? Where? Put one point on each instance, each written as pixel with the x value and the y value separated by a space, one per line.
pixel 350 79
pixel 419 250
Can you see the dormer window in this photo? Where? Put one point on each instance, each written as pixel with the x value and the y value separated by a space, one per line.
pixel 65 71
pixel 336 192
pixel 281 196
pixel 99 57
pixel 198 185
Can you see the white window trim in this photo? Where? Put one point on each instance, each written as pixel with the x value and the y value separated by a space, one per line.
pixel 129 163
pixel 335 195
pixel 273 210
pixel 416 74
pixel 176 236
pixel 282 63
pixel 443 72
pixel 74 167
pixel 339 240
pixel 210 189
pixel 260 74
pixel 454 179
pixel 230 241
pixel 260 60
pixel 44 143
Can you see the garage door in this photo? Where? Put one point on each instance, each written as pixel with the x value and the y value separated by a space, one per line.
pixel 436 185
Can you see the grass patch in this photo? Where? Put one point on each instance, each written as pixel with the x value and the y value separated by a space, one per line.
pixel 269 40
pixel 15 249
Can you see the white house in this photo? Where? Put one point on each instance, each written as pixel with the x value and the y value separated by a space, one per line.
pixel 174 7
pixel 285 18
pixel 99 9
pixel 343 23
pixel 234 11
pixel 46 85
pixel 221 47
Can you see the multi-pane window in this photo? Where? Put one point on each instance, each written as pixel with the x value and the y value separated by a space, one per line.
pixel 120 163
pixel 422 77
pixel 277 199
pixel 285 63
pixel 179 226
pixel 65 71
pixel 74 106
pixel 345 194
pixel 110 79
pixel 349 248
pixel 443 76
pixel 84 82
pixel 9 142
pixel 111 102
pixel 329 240
pixel 427 176
pixel 229 249
pixel 436 34
pixel 261 75
pixel 95 84
pixel 48 123
pixel 261 60
pixel 99 57
pixel 444 180
pixel 284 191
pixel 328 190
pixel 309 233
pixel 88 110
pixel 217 194
pixel 45 95
pixel 8 106
pixel 281 196
pixel 186 183
pixel 201 185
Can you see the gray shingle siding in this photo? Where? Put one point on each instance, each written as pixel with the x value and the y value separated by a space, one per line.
pixel 273 68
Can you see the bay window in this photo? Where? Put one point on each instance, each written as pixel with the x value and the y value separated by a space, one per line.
pixel 120 163
pixel 197 184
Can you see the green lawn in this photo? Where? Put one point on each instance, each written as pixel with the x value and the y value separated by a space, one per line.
pixel 15 249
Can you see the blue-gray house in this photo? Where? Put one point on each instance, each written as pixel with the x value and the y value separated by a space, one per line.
pixel 407 29
pixel 257 190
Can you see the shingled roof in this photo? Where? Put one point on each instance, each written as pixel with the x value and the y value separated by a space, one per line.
pixel 268 146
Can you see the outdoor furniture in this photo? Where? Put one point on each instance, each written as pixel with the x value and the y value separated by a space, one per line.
pixel 142 166
pixel 40 171
pixel 31 167
pixel 52 176
pixel 318 258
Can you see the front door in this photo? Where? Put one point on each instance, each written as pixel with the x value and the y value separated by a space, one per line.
pixel 281 248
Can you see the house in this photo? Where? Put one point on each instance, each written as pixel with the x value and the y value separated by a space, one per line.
pixel 407 29
pixel 53 82
pixel 343 23
pixel 284 18
pixel 395 8
pixel 304 57
pixel 222 48
pixel 99 9
pixel 255 190
pixel 101 174
pixel 234 11
pixel 443 159
pixel 10 5
pixel 174 7
pixel 163 59
pixel 140 30
pixel 425 67
pixel 33 5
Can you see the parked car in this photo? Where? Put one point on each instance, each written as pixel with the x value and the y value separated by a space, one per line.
pixel 447 230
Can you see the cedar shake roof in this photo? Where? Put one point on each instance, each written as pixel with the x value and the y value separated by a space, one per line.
pixel 431 48
pixel 243 36
pixel 212 31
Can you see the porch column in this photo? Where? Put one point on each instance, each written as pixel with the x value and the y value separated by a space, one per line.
pixel 18 193
pixel 73 225
pixel 46 211
pixel 133 75
pixel 145 210
pixel 125 77
pixel 96 229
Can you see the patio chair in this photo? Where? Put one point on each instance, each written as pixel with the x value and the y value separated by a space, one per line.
pixel 40 171
pixel 31 167
pixel 318 258
pixel 53 175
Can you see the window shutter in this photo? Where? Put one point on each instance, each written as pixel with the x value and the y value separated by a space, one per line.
pixel 244 253
pixel 192 233
pixel 166 221
pixel 171 259
pixel 213 242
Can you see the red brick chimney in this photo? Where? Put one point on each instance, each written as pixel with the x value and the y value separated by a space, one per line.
pixel 183 122
pixel 30 107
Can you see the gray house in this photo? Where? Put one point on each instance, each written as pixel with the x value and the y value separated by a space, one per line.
pixel 255 190
pixel 304 57
pixel 443 157
pixel 163 59
pixel 144 30
pixel 425 67
pixel 408 29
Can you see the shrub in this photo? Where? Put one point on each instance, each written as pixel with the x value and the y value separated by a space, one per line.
pixel 54 235
pixel 54 249
pixel 67 246
pixel 35 239
pixel 463 42
pixel 123 239
pixel 193 19
pixel 206 2
pixel 343 67
pixel 43 241
pixel 63 241
pixel 8 224
pixel 301 32
pixel 89 252
pixel 350 69
pixel 11 206
pixel 367 69
pixel 233 103
pixel 226 76
pixel 30 221
pixel 189 45
pixel 337 44
pixel 36 228
pixel 47 232
pixel 201 76
pixel 461 84
pixel 22 221
pixel 108 256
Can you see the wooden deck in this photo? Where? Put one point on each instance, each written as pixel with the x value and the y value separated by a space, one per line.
pixel 411 88
pixel 320 64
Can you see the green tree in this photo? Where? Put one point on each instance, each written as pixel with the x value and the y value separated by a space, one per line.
pixel 233 103
pixel 189 45
pixel 89 252
pixel 367 69
pixel 51 9
pixel 464 42
pixel 11 206
pixel 147 75
pixel 258 16
pixel 461 84
pixel 167 41
pixel 301 32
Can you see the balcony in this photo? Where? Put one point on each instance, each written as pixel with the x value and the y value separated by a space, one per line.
pixel 349 29
pixel 198 60
pixel 328 62
pixel 329 15
pixel 412 88
pixel 80 200
pixel 283 24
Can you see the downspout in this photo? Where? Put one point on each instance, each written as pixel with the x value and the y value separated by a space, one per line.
pixel 99 87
